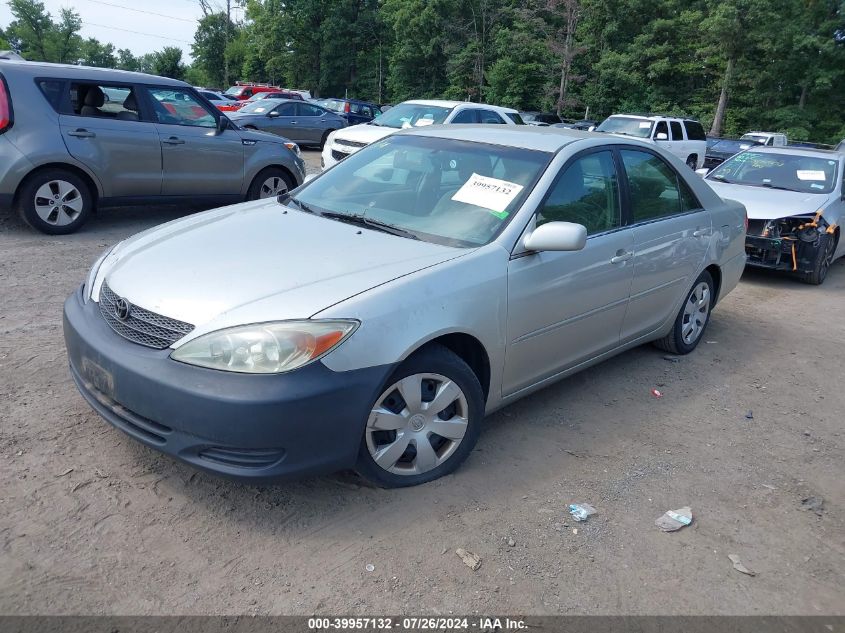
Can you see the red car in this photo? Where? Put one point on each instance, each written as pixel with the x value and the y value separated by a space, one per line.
pixel 273 93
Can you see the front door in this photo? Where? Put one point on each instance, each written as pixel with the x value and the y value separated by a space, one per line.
pixel 104 130
pixel 196 159
pixel 282 120
pixel 671 236
pixel 567 307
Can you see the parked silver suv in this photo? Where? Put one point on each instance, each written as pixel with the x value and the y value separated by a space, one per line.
pixel 74 138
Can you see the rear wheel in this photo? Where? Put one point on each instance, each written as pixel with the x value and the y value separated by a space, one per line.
pixel 824 258
pixel 692 318
pixel 55 201
pixel 692 161
pixel 424 423
pixel 269 183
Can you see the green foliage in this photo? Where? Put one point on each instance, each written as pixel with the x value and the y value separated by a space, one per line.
pixel 168 63
pixel 736 65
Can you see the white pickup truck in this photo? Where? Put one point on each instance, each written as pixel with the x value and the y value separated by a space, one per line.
pixel 772 139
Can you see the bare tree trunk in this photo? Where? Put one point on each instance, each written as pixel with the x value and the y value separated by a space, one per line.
pixel 226 44
pixel 803 100
pixel 573 13
pixel 721 108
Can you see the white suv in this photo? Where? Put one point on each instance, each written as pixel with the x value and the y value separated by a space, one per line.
pixel 685 138
pixel 409 114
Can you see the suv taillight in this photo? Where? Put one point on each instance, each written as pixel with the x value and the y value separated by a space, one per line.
pixel 5 106
pixel 346 108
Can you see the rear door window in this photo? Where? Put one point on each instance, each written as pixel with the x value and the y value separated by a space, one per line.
pixel 52 91
pixel 104 101
pixel 695 132
pixel 677 133
pixel 488 116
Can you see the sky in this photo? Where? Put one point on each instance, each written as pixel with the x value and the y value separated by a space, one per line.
pixel 110 21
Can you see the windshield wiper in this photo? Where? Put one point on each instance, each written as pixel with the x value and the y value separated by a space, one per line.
pixel 723 179
pixel 298 203
pixel 769 185
pixel 370 223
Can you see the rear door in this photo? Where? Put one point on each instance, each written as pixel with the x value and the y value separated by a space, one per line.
pixel 671 232
pixel 104 129
pixel 196 159
pixel 311 122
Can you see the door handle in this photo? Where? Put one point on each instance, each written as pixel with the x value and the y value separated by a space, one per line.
pixel 173 141
pixel 81 133
pixel 700 232
pixel 621 256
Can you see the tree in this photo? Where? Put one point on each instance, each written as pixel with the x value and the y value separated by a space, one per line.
pixel 126 60
pixel 95 53
pixel 4 43
pixel 168 63
pixel 31 29
pixel 209 47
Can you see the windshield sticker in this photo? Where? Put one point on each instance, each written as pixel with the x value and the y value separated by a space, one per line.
pixel 744 146
pixel 645 124
pixel 489 193
pixel 810 174
pixel 816 185
pixel 422 122
pixel 259 109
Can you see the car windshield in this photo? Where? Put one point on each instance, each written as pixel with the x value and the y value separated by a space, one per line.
pixel 335 105
pixel 262 106
pixel 629 126
pixel 258 96
pixel 757 138
pixel 234 91
pixel 793 172
pixel 732 146
pixel 450 192
pixel 412 115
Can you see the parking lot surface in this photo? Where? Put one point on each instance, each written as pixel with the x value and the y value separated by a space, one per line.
pixel 748 432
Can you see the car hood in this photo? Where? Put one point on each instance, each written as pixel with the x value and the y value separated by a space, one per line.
pixel 770 204
pixel 257 261
pixel 364 133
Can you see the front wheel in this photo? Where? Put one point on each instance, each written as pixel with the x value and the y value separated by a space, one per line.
pixel 270 183
pixel 692 318
pixel 824 258
pixel 55 201
pixel 424 423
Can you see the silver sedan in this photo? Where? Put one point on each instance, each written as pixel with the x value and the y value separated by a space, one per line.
pixel 795 199
pixel 372 318
pixel 302 122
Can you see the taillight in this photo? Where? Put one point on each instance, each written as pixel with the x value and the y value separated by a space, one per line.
pixel 346 108
pixel 5 107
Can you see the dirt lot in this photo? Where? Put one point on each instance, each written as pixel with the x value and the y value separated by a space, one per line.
pixel 92 522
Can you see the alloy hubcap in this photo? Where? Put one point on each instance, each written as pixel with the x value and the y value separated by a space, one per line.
pixel 58 202
pixel 695 313
pixel 272 187
pixel 417 424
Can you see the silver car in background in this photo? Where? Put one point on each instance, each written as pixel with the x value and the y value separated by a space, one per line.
pixel 372 317
pixel 796 205
pixel 302 122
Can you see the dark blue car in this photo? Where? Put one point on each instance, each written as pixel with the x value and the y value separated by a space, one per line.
pixel 353 110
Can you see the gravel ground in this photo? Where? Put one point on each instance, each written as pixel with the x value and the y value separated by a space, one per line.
pixel 94 523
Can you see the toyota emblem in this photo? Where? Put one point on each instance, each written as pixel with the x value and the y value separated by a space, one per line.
pixel 121 309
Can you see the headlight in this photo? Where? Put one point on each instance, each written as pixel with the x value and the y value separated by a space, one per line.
pixel 293 147
pixel 265 348
pixel 88 288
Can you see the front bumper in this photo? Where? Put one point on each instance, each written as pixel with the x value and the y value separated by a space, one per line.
pixel 789 255
pixel 250 427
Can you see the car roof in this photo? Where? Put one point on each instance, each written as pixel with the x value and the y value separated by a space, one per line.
pixel 86 73
pixel 454 104
pixel 544 139
pixel 653 117
pixel 798 151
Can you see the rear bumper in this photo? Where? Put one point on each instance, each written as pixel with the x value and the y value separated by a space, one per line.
pixel 249 427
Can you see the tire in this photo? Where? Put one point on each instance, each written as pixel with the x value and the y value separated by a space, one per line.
pixel 325 138
pixel 692 161
pixel 824 258
pixel 395 430
pixel 55 201
pixel 678 340
pixel 261 186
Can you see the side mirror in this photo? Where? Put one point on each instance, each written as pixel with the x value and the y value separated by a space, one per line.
pixel 702 172
pixel 222 124
pixel 661 136
pixel 557 236
pixel 272 114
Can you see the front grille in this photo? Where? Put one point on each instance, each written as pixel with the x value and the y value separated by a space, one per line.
pixel 756 227
pixel 355 144
pixel 338 155
pixel 141 326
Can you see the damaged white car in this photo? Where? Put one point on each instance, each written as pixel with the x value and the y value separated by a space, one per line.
pixel 796 202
